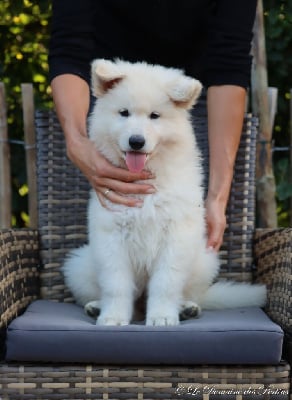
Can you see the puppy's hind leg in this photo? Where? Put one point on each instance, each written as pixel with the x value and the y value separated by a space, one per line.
pixel 79 276
pixel 93 308
pixel 189 310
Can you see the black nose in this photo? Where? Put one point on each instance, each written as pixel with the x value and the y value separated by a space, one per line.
pixel 136 142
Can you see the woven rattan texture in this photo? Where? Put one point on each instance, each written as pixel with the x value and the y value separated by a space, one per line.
pixel 19 260
pixel 273 257
pixel 63 196
pixel 92 382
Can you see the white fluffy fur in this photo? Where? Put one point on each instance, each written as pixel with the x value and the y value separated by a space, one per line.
pixel 160 247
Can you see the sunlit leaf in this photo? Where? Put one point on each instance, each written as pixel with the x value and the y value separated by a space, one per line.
pixel 36 9
pixel 23 190
pixel 27 3
pixel 25 217
pixel 24 18
pixel 15 29
pixel 39 78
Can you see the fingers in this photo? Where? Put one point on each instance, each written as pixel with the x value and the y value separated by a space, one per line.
pixel 117 178
pixel 124 175
pixel 104 176
pixel 121 193
pixel 119 186
pixel 215 238
pixel 122 187
pixel 105 196
pixel 216 224
pixel 216 230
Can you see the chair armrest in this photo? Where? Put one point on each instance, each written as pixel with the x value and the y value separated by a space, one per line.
pixel 273 258
pixel 19 261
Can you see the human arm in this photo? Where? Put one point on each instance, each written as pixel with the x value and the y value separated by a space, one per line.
pixel 226 105
pixel 228 66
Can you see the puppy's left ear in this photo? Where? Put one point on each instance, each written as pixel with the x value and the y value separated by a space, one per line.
pixel 185 91
pixel 105 74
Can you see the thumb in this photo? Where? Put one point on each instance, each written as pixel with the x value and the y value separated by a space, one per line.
pixel 213 244
pixel 214 237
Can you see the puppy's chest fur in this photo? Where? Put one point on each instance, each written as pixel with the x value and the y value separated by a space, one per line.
pixel 145 227
pixel 142 232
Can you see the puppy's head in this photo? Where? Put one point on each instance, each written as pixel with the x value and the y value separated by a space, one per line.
pixel 140 108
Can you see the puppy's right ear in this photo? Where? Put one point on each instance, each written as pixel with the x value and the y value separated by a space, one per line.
pixel 184 91
pixel 104 75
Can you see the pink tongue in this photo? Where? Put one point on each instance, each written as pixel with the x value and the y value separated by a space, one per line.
pixel 135 161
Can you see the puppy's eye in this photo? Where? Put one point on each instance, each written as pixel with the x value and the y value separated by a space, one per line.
pixel 124 112
pixel 154 115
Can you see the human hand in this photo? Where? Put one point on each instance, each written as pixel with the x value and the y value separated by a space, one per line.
pixel 109 182
pixel 216 222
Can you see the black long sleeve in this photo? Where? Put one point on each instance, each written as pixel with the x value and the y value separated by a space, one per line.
pixel 210 40
pixel 72 44
pixel 228 59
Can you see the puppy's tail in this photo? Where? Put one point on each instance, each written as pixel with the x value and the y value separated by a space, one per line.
pixel 233 295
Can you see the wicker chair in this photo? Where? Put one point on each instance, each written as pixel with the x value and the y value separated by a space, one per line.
pixel 30 269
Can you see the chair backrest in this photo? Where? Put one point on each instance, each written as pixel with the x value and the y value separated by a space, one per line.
pixel 63 196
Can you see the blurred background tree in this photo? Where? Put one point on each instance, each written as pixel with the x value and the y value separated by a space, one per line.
pixel 24 36
pixel 278 26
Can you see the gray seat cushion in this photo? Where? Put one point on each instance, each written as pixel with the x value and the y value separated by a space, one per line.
pixel 61 332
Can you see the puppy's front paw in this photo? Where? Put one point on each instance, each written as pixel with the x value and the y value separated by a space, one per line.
pixel 112 320
pixel 165 320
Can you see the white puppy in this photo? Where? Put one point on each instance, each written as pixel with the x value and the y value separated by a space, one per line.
pixel 140 121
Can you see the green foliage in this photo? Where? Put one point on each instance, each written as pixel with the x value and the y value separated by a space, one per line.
pixel 278 25
pixel 284 187
pixel 24 35
pixel 282 171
